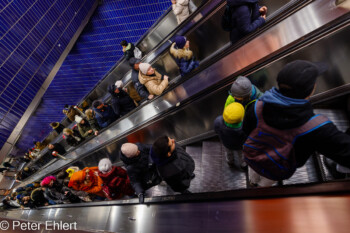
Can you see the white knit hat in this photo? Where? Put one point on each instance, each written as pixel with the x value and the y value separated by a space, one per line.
pixel 119 84
pixel 78 119
pixel 144 67
pixel 129 150
pixel 105 165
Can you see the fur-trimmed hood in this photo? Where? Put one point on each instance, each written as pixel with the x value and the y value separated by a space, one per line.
pixel 180 53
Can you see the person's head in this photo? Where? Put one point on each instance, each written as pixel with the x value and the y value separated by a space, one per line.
pixel 105 165
pixel 90 114
pixel 130 150
pixel 78 119
pixel 163 147
pixel 241 88
pixel 54 125
pixel 134 63
pixel 97 104
pixel 297 79
pixel 118 86
pixel 146 69
pixel 233 115
pixel 181 42
pixel 51 146
pixel 124 43
pixel 67 131
pixel 48 181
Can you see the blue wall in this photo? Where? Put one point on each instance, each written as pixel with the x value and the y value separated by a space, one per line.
pixel 33 35
pixel 95 52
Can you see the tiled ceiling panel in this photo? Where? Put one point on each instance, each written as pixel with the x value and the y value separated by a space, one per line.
pixel 33 35
pixel 96 51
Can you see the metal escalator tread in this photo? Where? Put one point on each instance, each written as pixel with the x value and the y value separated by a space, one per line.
pixel 304 174
pixel 216 174
pixel 196 154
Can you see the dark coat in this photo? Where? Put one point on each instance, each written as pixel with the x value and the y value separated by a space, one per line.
pixel 141 89
pixel 177 169
pixel 72 141
pixel 118 182
pixel 142 173
pixel 59 148
pixel 56 193
pixel 37 198
pixel 120 102
pixel 129 52
pixel 59 128
pixel 327 139
pixel 105 117
pixel 245 18
pixel 231 138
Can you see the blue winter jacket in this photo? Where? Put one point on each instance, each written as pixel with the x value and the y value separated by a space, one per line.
pixel 245 18
pixel 105 117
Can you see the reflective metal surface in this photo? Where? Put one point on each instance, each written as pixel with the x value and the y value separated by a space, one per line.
pixel 324 214
pixel 255 50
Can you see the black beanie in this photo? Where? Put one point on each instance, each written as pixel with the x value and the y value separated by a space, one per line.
pixel 297 79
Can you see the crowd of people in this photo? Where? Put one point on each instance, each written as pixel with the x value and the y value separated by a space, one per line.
pixel 145 166
pixel 271 134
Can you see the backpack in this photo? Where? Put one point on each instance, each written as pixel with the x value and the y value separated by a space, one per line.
pixel 270 151
pixel 137 53
pixel 226 19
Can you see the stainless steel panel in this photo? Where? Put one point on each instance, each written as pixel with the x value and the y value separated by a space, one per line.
pixel 326 214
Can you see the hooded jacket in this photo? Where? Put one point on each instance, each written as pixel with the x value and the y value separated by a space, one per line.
pixel 94 186
pixel 282 112
pixel 245 18
pixel 181 10
pixel 142 173
pixel 184 59
pixel 154 83
pixel 105 117
pixel 117 182
pixel 121 102
pixel 177 169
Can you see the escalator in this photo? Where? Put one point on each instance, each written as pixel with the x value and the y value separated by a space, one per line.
pixel 222 200
pixel 218 75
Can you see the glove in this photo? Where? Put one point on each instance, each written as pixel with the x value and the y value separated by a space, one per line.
pixel 141 198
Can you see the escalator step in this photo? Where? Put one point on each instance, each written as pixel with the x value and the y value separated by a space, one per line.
pixel 305 174
pixel 196 153
pixel 216 174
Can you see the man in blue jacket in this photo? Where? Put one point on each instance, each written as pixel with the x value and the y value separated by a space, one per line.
pixel 247 16
pixel 104 113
